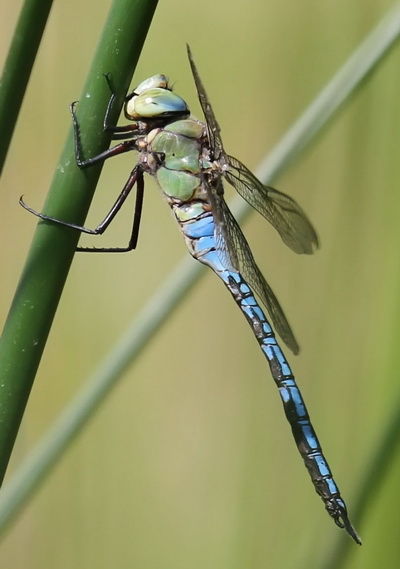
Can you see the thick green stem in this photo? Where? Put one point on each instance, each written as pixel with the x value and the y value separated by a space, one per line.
pixel 53 246
pixel 18 66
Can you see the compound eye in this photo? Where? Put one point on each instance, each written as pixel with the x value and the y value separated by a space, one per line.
pixel 160 81
pixel 156 102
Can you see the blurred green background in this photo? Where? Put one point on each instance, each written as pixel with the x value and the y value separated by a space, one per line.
pixel 190 462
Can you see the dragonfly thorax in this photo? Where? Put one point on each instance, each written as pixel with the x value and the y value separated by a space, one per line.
pixel 172 154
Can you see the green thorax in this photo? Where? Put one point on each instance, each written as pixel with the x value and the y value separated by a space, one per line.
pixel 180 144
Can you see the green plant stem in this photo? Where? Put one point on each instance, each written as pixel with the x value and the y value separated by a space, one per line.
pixel 18 67
pixel 53 247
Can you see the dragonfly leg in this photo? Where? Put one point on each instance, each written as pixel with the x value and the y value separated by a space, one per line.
pixel 136 176
pixel 107 126
pixel 124 146
pixel 119 132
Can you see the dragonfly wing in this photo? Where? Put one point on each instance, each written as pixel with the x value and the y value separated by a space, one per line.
pixel 282 211
pixel 229 237
pixel 227 251
pixel 213 128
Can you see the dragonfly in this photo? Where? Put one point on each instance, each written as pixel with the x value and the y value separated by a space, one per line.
pixel 189 162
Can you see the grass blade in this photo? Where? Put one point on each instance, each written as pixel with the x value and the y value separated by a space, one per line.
pixel 17 69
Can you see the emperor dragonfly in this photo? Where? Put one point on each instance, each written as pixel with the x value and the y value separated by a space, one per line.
pixel 188 159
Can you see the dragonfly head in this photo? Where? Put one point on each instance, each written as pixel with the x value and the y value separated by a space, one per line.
pixel 153 99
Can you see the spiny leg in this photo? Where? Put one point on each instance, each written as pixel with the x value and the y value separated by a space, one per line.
pixel 135 176
pixel 119 132
pixel 120 148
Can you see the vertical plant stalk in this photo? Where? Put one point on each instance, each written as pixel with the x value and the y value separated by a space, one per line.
pixel 18 66
pixel 50 256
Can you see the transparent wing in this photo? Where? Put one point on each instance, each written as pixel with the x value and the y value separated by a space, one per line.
pixel 279 209
pixel 235 254
pixel 215 190
pixel 227 247
pixel 213 128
